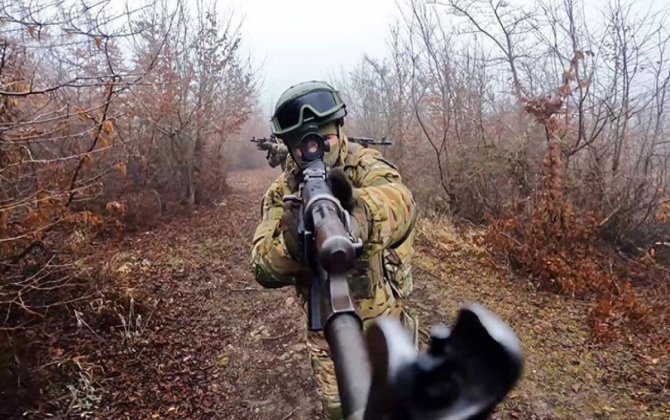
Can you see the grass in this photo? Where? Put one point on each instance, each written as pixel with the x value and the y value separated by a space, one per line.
pixel 567 373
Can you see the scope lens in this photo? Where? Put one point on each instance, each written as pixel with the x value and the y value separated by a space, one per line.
pixel 312 147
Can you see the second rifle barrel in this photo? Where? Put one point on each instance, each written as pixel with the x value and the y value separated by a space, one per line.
pixel 352 367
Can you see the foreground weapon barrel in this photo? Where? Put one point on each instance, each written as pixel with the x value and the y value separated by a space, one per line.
pixel 466 371
pixel 333 254
pixel 352 367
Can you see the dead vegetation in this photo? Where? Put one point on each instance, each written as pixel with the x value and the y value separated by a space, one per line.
pixel 463 86
pixel 187 318
pixel 124 286
pixel 569 371
pixel 111 119
pixel 535 123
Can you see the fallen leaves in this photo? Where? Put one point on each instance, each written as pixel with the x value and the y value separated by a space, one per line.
pixel 108 127
pixel 205 352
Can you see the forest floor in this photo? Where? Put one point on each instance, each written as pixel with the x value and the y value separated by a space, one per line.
pixel 190 334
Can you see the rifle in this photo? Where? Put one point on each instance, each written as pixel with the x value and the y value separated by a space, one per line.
pixel 369 141
pixel 262 143
pixel 276 151
pixel 465 372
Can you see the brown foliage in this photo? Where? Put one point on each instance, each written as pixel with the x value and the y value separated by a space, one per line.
pixel 558 247
pixel 558 250
pixel 470 124
pixel 69 146
pixel 566 175
pixel 95 141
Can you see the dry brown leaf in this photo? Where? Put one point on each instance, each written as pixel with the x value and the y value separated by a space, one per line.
pixel 108 127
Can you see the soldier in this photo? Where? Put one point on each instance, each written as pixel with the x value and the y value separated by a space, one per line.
pixel 277 155
pixel 382 208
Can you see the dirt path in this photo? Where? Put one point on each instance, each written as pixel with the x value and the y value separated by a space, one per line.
pixel 210 343
pixel 218 345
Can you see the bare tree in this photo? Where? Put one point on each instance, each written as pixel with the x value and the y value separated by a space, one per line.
pixel 203 91
pixel 98 102
pixel 61 76
pixel 473 71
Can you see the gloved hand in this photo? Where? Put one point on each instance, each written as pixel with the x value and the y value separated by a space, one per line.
pixel 344 192
pixel 263 146
pixel 288 225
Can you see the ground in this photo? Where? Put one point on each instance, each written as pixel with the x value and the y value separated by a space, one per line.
pixel 200 339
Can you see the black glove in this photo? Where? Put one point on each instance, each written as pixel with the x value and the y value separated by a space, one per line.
pixel 288 225
pixel 342 188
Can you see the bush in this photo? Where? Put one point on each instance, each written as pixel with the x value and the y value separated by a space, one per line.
pixel 558 250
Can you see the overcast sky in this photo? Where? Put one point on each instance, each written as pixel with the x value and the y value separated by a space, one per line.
pixel 291 41
pixel 300 40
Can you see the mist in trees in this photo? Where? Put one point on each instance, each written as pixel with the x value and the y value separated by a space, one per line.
pixel 109 113
pixel 542 124
pixel 481 89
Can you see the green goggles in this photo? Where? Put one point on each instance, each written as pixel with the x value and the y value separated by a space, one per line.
pixel 314 105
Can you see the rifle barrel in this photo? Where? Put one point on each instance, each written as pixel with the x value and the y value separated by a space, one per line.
pixel 332 255
pixel 352 367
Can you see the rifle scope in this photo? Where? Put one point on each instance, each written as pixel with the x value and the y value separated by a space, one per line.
pixel 311 144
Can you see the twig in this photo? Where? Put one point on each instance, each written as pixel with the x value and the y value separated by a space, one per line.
pixel 98 135
pixel 290 414
pixel 277 337
pixel 17 258
pixel 80 320
pixel 246 289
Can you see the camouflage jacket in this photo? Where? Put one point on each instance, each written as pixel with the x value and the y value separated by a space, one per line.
pixel 382 274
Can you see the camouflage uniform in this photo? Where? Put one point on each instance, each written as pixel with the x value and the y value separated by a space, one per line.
pixel 381 278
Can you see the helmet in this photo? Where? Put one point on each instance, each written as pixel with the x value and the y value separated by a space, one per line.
pixel 307 102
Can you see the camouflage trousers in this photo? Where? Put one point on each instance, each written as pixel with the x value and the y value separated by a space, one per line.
pixel 322 364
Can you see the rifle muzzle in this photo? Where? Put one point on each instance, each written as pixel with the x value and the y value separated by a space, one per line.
pixel 336 251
